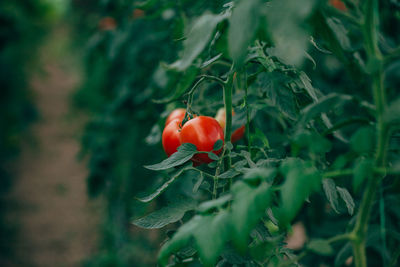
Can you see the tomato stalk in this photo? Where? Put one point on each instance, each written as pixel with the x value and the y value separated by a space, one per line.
pixel 375 57
pixel 228 113
pixel 247 131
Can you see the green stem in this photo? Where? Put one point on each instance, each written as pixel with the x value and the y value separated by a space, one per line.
pixel 228 114
pixel 374 56
pixel 247 131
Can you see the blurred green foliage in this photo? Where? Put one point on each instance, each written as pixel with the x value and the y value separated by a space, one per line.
pixel 23 24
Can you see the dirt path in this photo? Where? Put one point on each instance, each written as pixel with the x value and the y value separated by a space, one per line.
pixel 58 224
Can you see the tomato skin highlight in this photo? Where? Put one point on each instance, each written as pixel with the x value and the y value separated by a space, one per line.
pixel 203 132
pixel 178 113
pixel 170 137
pixel 236 134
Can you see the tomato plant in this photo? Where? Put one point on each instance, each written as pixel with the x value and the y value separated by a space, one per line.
pixel 315 87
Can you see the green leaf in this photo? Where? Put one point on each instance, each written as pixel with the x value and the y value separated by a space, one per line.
pixel 229 174
pixel 301 179
pixel 363 169
pixel 391 115
pixel 331 193
pixel 212 156
pixel 274 85
pixel 211 236
pixel 179 239
pixel 218 145
pixel 243 25
pixel 321 247
pixel 347 198
pixel 210 233
pixel 313 141
pixel 340 32
pixel 185 153
pixel 229 145
pixel 248 207
pixel 325 104
pixel 285 20
pixel 312 92
pixel 259 135
pixel 215 203
pixel 363 141
pixel 197 38
pixel 166 215
pixel 344 253
pixel 263 174
pixel 163 187
pixel 198 183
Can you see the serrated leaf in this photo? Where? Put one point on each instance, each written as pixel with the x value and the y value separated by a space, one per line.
pixel 196 40
pixel 301 179
pixel 285 26
pixel 179 239
pixel 185 153
pixel 265 174
pixel 363 141
pixel 166 215
pixel 218 145
pixel 229 174
pixel 321 247
pixel 212 156
pixel 274 85
pixel 215 203
pixel 248 207
pixel 312 92
pixel 331 193
pixel 259 135
pixel 163 187
pixel 229 145
pixel 363 169
pixel 198 183
pixel 211 237
pixel 340 32
pixel 324 105
pixel 391 115
pixel 347 198
pixel 243 26
pixel 209 232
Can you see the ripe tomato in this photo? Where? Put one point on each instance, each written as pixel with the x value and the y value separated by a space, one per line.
pixel 178 113
pixel 107 24
pixel 236 134
pixel 338 4
pixel 170 137
pixel 203 132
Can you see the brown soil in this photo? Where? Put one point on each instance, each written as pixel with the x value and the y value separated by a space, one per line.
pixel 58 223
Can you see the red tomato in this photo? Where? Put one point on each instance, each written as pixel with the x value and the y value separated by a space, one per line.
pixel 221 118
pixel 137 13
pixel 338 4
pixel 203 132
pixel 238 134
pixel 178 113
pixel 170 137
pixel 107 24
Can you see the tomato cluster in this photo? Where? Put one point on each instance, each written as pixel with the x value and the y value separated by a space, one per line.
pixel 202 131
